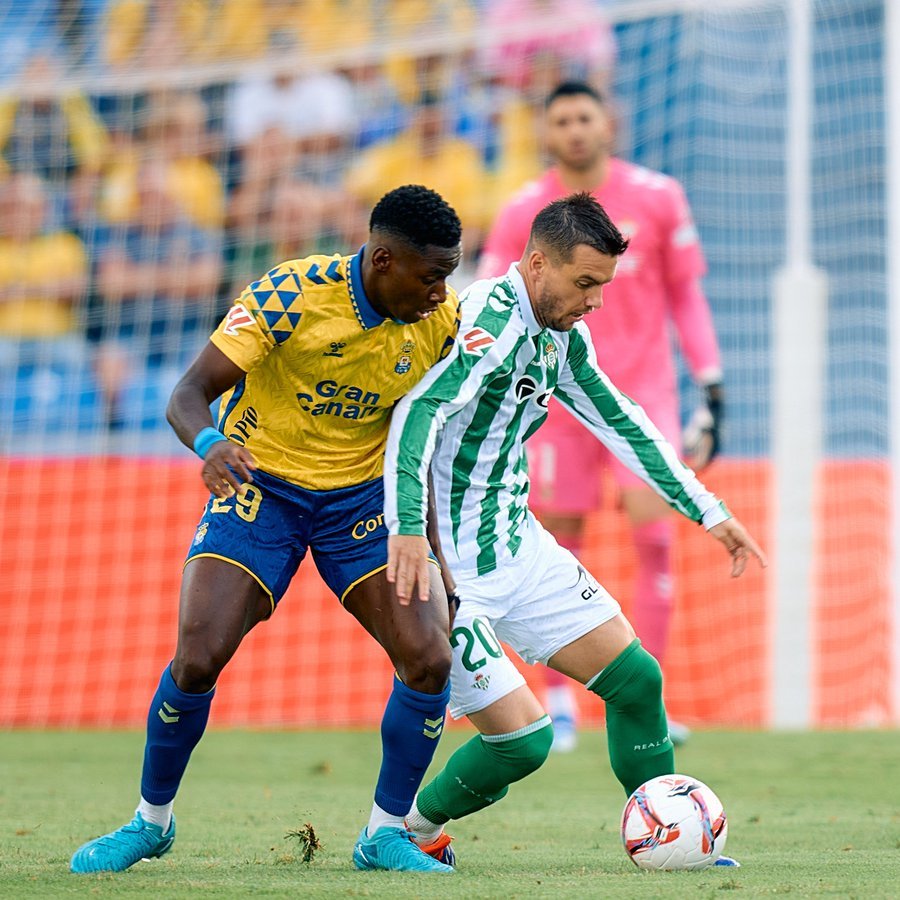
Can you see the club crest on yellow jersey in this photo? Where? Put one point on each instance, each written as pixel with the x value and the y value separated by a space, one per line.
pixel 404 360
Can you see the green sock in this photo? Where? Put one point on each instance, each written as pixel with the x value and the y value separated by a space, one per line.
pixel 481 771
pixel 637 731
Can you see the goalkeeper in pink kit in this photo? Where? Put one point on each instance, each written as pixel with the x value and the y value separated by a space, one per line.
pixel 656 291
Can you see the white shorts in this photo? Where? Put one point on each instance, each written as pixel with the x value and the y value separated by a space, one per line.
pixel 537 602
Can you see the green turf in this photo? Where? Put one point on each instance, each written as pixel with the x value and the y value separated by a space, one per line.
pixel 810 815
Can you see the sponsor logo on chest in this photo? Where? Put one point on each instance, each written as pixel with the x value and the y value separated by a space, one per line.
pixel 526 388
pixel 344 401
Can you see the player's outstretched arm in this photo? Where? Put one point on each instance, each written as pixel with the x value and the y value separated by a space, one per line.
pixel 738 542
pixel 407 566
pixel 226 465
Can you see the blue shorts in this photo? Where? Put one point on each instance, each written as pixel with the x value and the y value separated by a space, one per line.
pixel 267 530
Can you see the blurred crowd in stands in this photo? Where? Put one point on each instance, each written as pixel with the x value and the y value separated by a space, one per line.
pixel 157 155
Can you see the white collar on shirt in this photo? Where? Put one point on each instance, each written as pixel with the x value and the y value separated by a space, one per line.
pixel 532 326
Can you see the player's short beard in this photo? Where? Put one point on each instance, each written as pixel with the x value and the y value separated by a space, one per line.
pixel 546 307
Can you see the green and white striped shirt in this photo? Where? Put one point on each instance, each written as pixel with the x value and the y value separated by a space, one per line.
pixel 470 415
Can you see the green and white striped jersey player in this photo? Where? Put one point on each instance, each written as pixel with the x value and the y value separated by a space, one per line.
pixel 474 414
pixel 521 340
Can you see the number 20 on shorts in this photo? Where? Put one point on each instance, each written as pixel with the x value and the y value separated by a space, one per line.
pixel 480 633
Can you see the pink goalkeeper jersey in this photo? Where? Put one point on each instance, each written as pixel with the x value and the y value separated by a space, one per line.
pixel 657 282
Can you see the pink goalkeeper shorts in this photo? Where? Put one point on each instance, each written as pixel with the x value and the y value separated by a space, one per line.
pixel 566 461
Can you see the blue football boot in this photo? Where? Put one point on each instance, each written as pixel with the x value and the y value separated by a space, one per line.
pixel 393 848
pixel 118 850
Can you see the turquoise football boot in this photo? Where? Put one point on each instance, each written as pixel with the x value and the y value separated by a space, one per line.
pixel 393 849
pixel 118 850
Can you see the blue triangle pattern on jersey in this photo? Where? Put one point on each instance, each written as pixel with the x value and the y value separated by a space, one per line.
pixel 287 297
pixel 293 318
pixel 277 279
pixel 272 317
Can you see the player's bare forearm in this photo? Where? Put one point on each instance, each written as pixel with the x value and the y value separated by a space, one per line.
pixel 739 544
pixel 446 574
pixel 226 465
pixel 209 376
pixel 434 539
pixel 188 409
pixel 407 567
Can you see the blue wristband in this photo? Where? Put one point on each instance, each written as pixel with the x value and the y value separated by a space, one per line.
pixel 205 439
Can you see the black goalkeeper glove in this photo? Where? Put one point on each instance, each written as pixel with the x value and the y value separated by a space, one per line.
pixel 702 437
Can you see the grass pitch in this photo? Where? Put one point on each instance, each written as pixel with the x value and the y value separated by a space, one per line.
pixel 810 815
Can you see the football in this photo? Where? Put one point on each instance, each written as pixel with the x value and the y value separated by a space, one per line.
pixel 674 822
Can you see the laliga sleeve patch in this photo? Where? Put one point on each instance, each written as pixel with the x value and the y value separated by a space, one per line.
pixel 237 317
pixel 477 341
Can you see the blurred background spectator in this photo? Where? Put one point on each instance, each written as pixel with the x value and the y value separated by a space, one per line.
pixel 43 268
pixel 53 130
pixel 291 138
pixel 164 33
pixel 428 152
pixel 26 31
pixel 175 135
pixel 540 43
pixel 156 281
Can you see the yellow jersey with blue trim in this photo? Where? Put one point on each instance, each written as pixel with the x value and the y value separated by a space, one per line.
pixel 323 370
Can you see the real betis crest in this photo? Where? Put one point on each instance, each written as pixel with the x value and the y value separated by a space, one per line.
pixel 551 354
pixel 404 360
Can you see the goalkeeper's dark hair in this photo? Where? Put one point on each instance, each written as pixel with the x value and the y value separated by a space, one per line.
pixel 573 89
pixel 417 215
pixel 577 219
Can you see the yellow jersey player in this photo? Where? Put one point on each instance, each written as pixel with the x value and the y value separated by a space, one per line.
pixel 308 362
